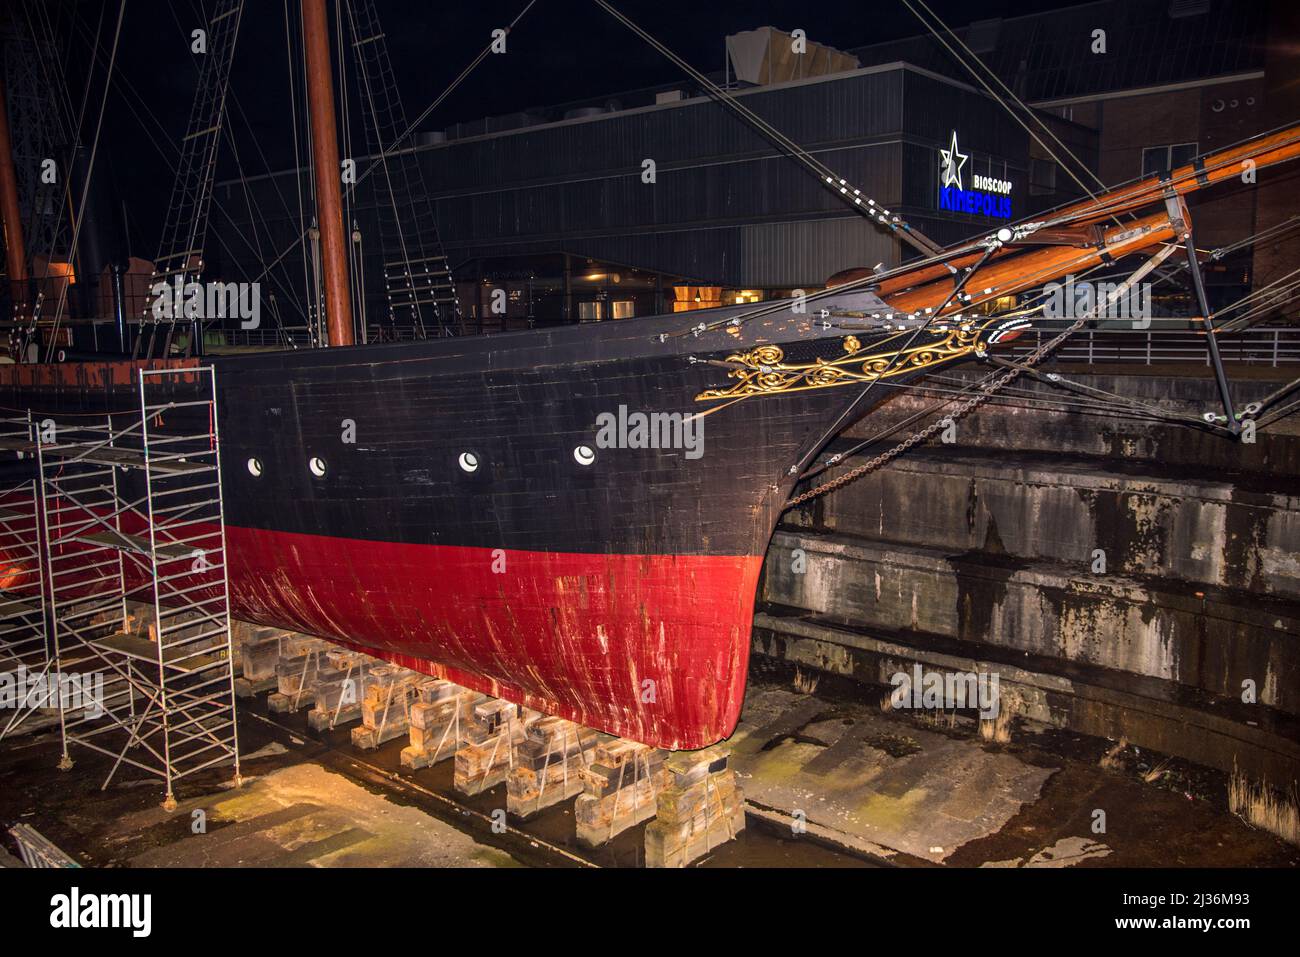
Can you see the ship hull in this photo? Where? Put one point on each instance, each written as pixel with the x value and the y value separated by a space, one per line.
pixel 651 647
pixel 616 589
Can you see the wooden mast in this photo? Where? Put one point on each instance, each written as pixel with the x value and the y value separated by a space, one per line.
pixel 325 153
pixel 15 253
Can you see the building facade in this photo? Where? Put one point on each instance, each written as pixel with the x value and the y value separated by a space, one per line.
pixel 660 200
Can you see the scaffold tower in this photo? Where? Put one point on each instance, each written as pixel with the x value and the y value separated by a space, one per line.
pixel 134 513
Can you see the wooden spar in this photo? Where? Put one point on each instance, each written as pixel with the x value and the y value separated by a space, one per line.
pixel 15 253
pixel 1030 269
pixel 325 153
pixel 1217 167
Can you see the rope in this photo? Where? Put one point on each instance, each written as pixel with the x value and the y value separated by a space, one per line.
pixel 984 395
pixel 851 196
pixel 90 169
pixel 1001 100
pixel 486 51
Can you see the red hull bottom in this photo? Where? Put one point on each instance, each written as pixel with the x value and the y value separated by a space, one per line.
pixel 649 647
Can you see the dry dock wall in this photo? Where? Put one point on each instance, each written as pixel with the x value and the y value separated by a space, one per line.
pixel 1137 576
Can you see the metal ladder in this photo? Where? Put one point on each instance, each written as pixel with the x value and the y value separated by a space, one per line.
pixel 136 512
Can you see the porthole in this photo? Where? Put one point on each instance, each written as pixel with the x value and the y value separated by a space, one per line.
pixel 468 462
pixel 317 466
pixel 255 468
pixel 584 455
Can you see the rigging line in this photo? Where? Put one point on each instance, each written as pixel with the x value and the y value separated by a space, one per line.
pixel 857 402
pixel 836 184
pixel 987 390
pixel 388 179
pixel 1256 319
pixel 65 193
pixel 1253 409
pixel 156 142
pixel 1105 399
pixel 90 170
pixel 1150 194
pixel 90 76
pixel 297 163
pixel 1266 290
pixel 1277 414
pixel 1169 273
pixel 1040 400
pixel 1158 185
pixel 1006 396
pixel 161 135
pixel 56 88
pixel 254 211
pixel 781 305
pixel 190 234
pixel 486 51
pixel 1277 301
pixel 942 257
pixel 975 59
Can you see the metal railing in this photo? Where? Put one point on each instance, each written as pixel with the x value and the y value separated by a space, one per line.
pixel 1273 346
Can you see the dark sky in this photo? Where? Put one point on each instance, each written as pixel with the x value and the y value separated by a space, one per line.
pixel 562 50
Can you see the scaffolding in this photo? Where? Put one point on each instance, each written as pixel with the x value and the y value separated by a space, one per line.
pixel 133 510
pixel 25 654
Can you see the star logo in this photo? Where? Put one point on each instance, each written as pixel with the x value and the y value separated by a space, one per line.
pixel 950 164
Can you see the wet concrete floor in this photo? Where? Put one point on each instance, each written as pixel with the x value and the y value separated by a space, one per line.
pixel 830 779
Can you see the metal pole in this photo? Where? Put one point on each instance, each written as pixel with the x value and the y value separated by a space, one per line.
pixel 1220 377
pixel 119 305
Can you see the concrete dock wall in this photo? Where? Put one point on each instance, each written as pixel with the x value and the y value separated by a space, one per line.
pixel 1156 560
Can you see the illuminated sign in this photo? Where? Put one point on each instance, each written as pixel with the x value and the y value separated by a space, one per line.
pixel 991 196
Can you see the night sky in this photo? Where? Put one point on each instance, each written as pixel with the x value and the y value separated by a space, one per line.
pixel 562 50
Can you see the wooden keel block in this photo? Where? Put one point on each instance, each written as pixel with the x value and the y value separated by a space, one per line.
pixel 438 726
pixel 620 787
pixel 487 753
pixel 548 765
pixel 385 706
pixel 702 809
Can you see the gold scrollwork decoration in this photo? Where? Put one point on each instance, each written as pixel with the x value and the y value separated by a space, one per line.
pixel 763 370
